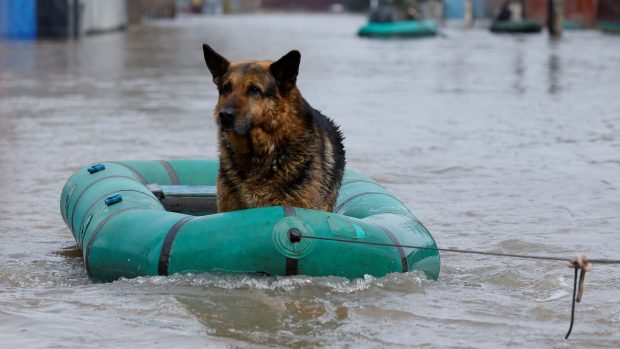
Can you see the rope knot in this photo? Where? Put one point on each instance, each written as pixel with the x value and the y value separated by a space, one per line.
pixel 581 262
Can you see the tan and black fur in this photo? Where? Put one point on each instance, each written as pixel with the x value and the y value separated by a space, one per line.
pixel 274 148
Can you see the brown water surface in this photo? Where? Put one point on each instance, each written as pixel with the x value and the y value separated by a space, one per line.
pixel 498 143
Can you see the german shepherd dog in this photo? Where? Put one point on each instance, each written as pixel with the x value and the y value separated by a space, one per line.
pixel 274 148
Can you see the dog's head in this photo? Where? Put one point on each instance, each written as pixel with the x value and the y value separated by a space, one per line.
pixel 251 93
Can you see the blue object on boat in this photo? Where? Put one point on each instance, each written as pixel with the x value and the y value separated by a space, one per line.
pixel 96 168
pixel 114 199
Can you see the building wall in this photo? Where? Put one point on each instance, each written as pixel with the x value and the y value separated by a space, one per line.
pixel 103 15
pixel 536 10
pixel 239 6
pixel 455 9
pixel 581 12
pixel 609 10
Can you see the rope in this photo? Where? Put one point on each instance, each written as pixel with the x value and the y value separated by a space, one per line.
pixel 485 253
pixel 580 263
pixel 572 310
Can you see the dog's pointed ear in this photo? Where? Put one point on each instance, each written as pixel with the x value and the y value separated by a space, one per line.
pixel 217 64
pixel 285 70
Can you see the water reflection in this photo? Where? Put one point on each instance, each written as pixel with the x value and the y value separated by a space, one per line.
pixel 17 57
pixel 555 73
pixel 519 69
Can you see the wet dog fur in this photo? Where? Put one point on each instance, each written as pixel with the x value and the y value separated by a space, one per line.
pixel 274 148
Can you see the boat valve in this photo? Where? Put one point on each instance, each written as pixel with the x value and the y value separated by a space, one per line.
pixel 294 235
pixel 114 199
pixel 96 168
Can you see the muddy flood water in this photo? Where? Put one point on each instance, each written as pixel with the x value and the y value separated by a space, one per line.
pixel 497 143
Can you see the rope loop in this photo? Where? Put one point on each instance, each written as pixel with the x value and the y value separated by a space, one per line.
pixel 581 266
pixel 581 263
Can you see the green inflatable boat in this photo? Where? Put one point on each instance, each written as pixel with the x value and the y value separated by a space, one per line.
pixel 401 29
pixel 610 27
pixel 141 218
pixel 516 27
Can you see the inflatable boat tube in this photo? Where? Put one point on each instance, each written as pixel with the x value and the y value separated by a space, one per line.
pixel 516 27
pixel 141 218
pixel 609 27
pixel 400 29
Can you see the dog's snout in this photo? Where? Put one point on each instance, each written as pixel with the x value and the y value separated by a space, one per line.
pixel 227 118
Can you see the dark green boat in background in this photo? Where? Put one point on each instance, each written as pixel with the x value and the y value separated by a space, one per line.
pixel 141 218
pixel 516 27
pixel 400 29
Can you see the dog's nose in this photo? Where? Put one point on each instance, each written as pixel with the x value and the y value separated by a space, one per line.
pixel 227 118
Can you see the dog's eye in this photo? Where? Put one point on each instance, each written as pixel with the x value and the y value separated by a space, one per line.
pixel 254 91
pixel 226 88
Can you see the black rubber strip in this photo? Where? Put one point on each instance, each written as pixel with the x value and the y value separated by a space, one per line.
pixel 96 231
pixel 342 204
pixel 172 174
pixel 65 212
pixel 100 199
pixel 401 250
pixel 292 264
pixel 77 201
pixel 133 170
pixel 164 255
